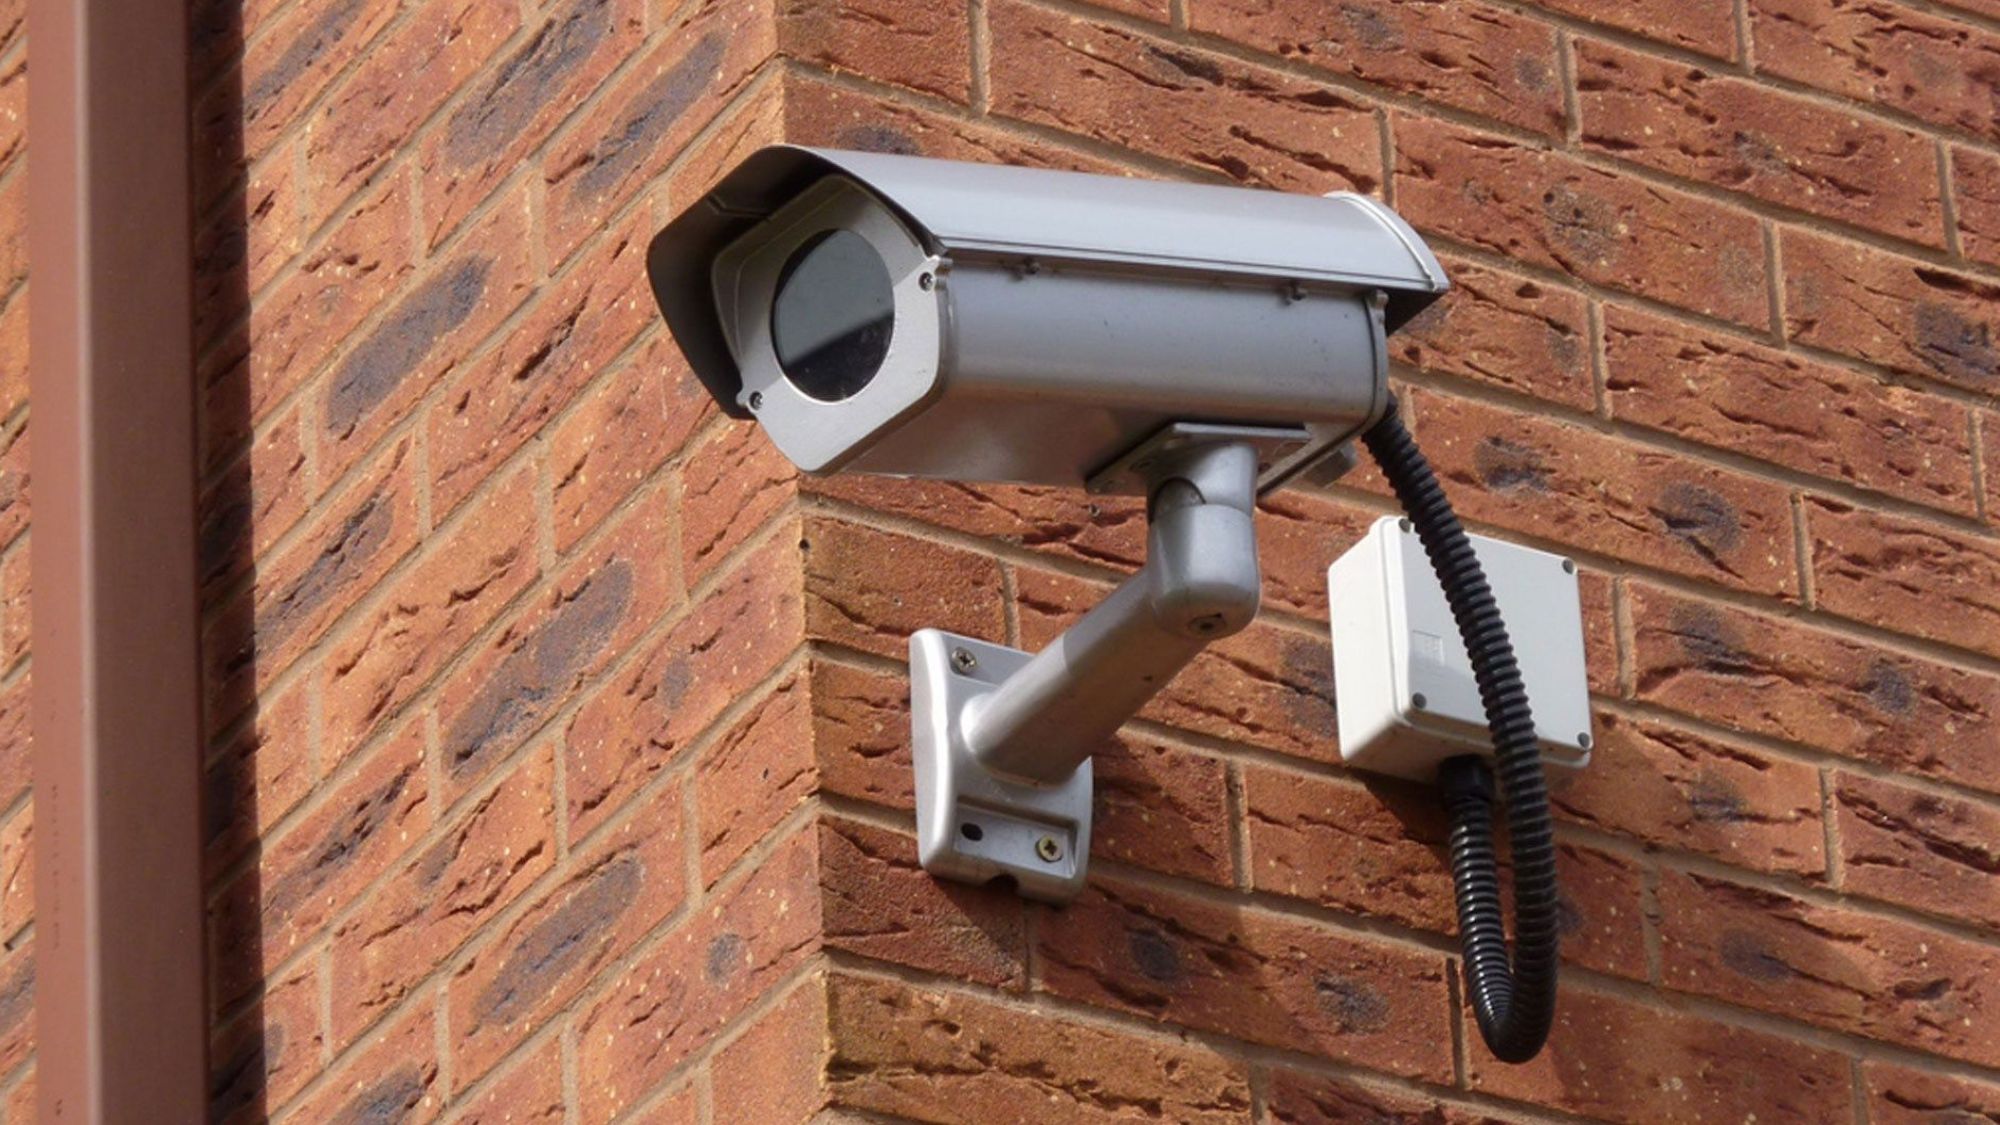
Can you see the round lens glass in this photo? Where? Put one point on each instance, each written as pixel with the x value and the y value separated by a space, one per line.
pixel 833 314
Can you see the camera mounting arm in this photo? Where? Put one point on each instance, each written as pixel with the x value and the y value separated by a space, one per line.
pixel 1002 740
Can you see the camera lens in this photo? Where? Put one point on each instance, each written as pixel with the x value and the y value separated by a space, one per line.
pixel 833 314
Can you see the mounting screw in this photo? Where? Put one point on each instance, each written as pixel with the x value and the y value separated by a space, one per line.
pixel 1569 566
pixel 1583 740
pixel 1048 849
pixel 925 281
pixel 1406 525
pixel 1419 702
pixel 963 661
pixel 756 400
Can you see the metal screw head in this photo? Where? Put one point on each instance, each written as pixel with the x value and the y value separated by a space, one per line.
pixel 1419 702
pixel 1207 625
pixel 756 400
pixel 925 281
pixel 963 660
pixel 1048 849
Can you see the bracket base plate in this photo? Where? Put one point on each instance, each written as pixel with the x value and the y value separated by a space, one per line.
pixel 974 825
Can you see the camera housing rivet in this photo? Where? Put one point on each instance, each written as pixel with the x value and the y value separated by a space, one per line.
pixel 963 660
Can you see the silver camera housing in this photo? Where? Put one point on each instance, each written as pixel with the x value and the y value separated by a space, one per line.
pixel 1048 323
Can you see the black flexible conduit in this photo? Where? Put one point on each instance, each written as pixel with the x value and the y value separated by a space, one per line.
pixel 1513 998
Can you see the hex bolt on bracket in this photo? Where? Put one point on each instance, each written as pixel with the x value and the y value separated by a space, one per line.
pixel 1002 739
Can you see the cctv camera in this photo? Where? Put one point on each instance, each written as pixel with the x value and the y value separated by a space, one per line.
pixel 931 318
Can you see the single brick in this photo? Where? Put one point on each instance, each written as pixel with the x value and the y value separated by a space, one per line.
pixel 1505 330
pixel 919 1054
pixel 393 1076
pixel 1905 574
pixel 484 859
pixel 1929 66
pixel 636 417
pixel 776 1070
pixel 262 773
pixel 374 112
pixel 1975 186
pixel 871 589
pixel 645 121
pixel 536 663
pixel 1471 56
pixel 462 582
pixel 1707 26
pixel 1268 685
pixel 600 907
pixel 257 499
pixel 1898 312
pixel 270 1053
pixel 1255 126
pixel 17 1006
pixel 1616 1060
pixel 1905 1095
pixel 1600 909
pixel 494 404
pixel 16 605
pixel 17 872
pixel 16 738
pixel 1271 979
pixel 1919 848
pixel 731 484
pixel 1667 787
pixel 1837 968
pixel 1162 807
pixel 640 719
pixel 923 47
pixel 1561 482
pixel 1370 850
pixel 1714 128
pixel 1601 643
pixel 1777 677
pixel 528 1092
pixel 320 865
pixel 1746 398
pixel 427 333
pixel 1298 534
pixel 515 106
pixel 679 994
pixel 14 490
pixel 861 733
pixel 1546 209
pixel 877 903
pixel 750 779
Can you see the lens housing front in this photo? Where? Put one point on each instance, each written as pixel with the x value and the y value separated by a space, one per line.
pixel 833 316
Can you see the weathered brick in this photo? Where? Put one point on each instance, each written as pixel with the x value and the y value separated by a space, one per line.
pixel 638 721
pixel 871 589
pixel 17 872
pixel 1669 787
pixel 422 337
pixel 749 780
pixel 14 353
pixel 392 1077
pixel 13 229
pixel 861 733
pixel 1296 1098
pixel 255 501
pixel 701 62
pixel 1268 685
pixel 514 107
pixel 623 430
pixel 1897 312
pixel 1470 55
pixel 305 877
pixel 731 485
pixel 17 1006
pixel 1715 128
pixel 1904 1095
pixel 16 739
pixel 502 399
pixel 302 591
pixel 1601 644
pixel 263 772
pixel 287 65
pixel 374 112
pixel 14 466
pixel 528 1092
pixel 270 1053
pixel 776 1070
pixel 1371 851
pixel 1778 677
pixel 366 254
pixel 1707 26
pixel 755 119
pixel 675 998
pixel 924 47
pixel 1262 977
pixel 612 894
pixel 469 874
pixel 820 113
pixel 16 605
pixel 1617 1060
pixel 1253 125
pixel 1919 848
pixel 1554 481
pixel 877 903
pixel 932 1056
pixel 1905 574
pixel 1298 534
pixel 1838 968
pixel 1060 521
pixel 1164 808
pixel 1546 209
pixel 1975 185
pixel 14 107
pixel 1745 398
pixel 466 577
pixel 518 679
pixel 1506 330
pixel 1929 66
pixel 1600 904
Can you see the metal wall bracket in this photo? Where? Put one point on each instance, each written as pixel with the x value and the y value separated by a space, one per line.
pixel 1001 740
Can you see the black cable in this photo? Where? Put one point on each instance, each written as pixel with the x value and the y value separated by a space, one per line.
pixel 1513 998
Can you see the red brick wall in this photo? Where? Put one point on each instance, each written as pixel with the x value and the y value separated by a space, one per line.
pixel 559 756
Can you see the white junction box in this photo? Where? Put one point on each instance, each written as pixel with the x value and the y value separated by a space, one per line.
pixel 1403 684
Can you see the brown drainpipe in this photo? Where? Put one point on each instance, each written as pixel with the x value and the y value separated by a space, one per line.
pixel 117 725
